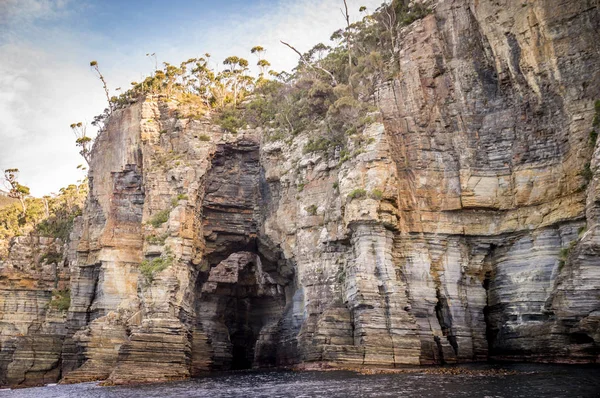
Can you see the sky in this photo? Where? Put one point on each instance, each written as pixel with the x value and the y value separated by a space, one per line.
pixel 46 47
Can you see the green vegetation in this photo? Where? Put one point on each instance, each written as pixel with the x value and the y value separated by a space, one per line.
pixel 376 194
pixel 50 216
pixel 587 173
pixel 406 15
pixel 160 218
pixel 358 193
pixel 564 255
pixel 157 239
pixel 204 137
pixel 318 145
pixel 230 120
pixel 328 94
pixel 51 257
pixel 17 191
pixel 61 300
pixel 175 201
pixel 341 275
pixel 312 210
pixel 82 140
pixel 149 268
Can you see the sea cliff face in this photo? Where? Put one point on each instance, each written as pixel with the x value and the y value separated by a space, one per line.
pixel 464 226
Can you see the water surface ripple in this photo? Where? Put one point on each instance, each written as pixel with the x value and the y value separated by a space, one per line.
pixel 529 381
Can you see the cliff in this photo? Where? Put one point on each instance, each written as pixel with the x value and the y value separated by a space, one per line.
pixel 460 224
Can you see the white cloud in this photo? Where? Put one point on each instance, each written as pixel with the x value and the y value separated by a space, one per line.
pixel 41 95
pixel 20 13
pixel 46 83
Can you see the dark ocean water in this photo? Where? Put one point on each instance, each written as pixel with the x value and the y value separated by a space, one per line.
pixel 529 381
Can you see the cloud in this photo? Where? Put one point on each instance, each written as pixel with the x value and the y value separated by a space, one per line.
pixel 22 13
pixel 41 95
pixel 46 83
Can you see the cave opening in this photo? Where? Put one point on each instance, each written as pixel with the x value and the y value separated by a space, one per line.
pixel 244 281
pixel 239 308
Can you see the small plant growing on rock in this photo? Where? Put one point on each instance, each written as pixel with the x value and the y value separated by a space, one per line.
pixel 587 173
pixel 376 194
pixel 344 156
pixel 149 268
pixel 61 300
pixel 175 201
pixel 593 138
pixel 595 125
pixel 358 193
pixel 204 137
pixel 564 255
pixel 51 257
pixel 341 275
pixel 312 210
pixel 596 121
pixel 320 144
pixel 160 218
pixel 157 239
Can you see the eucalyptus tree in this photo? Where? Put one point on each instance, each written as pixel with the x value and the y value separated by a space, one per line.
pixel 236 75
pixel 82 140
pixel 16 190
pixel 262 63
pixel 94 65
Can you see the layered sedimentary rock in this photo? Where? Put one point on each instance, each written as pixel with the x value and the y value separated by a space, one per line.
pixel 490 119
pixel 34 294
pixel 461 224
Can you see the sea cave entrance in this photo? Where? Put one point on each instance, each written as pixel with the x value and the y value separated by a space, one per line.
pixel 239 308
pixel 244 282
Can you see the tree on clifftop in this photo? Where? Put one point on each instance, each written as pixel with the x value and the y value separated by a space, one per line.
pixel 94 65
pixel 236 75
pixel 16 190
pixel 262 63
pixel 82 140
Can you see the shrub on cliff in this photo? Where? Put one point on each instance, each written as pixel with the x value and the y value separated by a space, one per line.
pixel 160 218
pixel 358 193
pixel 61 300
pixel 230 120
pixel 149 268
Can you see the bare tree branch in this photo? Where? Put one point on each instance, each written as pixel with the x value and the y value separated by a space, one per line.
pixel 94 65
pixel 347 16
pixel 317 67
